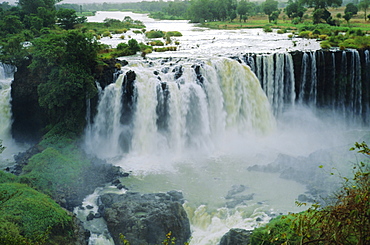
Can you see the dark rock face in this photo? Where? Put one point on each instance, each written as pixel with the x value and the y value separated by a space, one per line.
pixel 146 218
pixel 28 117
pixel 81 235
pixel 236 237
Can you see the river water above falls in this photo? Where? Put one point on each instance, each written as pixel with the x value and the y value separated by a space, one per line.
pixel 198 120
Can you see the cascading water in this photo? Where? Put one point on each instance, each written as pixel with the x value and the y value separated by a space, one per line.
pixel 194 126
pixel 6 77
pixel 334 82
pixel 276 74
pixel 175 107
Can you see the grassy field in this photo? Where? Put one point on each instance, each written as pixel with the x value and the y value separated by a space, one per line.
pixel 260 21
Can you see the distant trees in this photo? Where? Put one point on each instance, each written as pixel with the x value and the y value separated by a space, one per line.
pixel 364 5
pixel 351 8
pixel 67 18
pixel 294 9
pixel 321 9
pixel 244 9
pixel 270 8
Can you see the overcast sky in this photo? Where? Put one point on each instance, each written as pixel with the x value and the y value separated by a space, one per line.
pixel 83 1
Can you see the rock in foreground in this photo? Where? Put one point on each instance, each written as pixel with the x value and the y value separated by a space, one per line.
pixel 146 218
pixel 236 237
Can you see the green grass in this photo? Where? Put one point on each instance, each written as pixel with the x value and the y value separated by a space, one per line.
pixel 30 217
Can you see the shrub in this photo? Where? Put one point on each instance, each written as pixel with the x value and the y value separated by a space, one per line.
pixel 106 34
pixel 174 34
pixel 323 37
pixel 267 29
pixel 304 34
pixel 30 217
pixel 156 43
pixel 137 31
pixel 154 34
pixel 325 45
pixel 122 46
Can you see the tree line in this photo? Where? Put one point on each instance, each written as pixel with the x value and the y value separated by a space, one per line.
pixel 200 11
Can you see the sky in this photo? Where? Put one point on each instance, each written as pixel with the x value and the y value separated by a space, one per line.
pixel 83 1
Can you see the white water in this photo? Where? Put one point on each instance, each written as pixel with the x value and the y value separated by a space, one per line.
pixel 203 42
pixel 6 78
pixel 213 131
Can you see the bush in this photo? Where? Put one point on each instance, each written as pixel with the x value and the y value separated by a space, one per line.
pixel 325 45
pixel 323 37
pixel 154 34
pixel 122 46
pixel 30 217
pixel 156 43
pixel 305 34
pixel 106 34
pixel 174 34
pixel 164 49
pixel 267 29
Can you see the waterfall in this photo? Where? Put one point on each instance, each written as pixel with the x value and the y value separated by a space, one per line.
pixel 334 83
pixel 276 75
pixel 366 87
pixel 6 76
pixel 171 106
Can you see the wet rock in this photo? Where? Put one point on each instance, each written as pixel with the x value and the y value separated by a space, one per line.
pixel 236 237
pixel 90 216
pixel 178 70
pixel 235 189
pixel 146 218
pixel 305 198
pixel 237 196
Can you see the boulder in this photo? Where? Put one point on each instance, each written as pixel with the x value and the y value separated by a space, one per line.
pixel 236 237
pixel 146 218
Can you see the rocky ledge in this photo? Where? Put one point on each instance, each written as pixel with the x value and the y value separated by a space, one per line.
pixel 146 218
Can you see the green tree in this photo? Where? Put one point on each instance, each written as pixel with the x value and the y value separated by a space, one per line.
pixel 134 45
pixel 321 9
pixel 242 9
pixel 351 8
pixel 13 51
pixel 66 62
pixel 11 24
pixel 67 18
pixel 294 9
pixel 322 4
pixel 269 6
pixel 364 5
pixel 31 6
pixel 274 16
pixel 348 16
pixel 200 11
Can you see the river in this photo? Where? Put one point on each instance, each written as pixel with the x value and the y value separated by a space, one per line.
pixel 202 132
